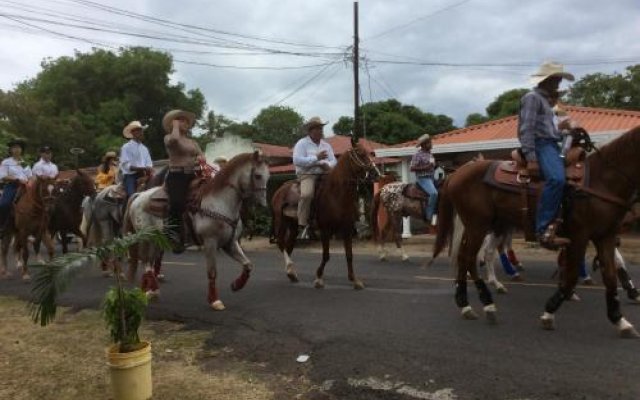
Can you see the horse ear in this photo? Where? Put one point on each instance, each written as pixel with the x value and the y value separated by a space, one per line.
pixel 257 158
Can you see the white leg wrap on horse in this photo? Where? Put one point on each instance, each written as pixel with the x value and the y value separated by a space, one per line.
pixel 548 321
pixel 624 325
pixel 468 313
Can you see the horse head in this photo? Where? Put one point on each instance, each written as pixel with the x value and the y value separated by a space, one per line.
pixel 362 164
pixel 83 184
pixel 257 178
pixel 45 191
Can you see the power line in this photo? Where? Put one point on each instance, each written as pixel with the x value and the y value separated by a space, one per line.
pixel 413 21
pixel 251 67
pixel 304 84
pixel 512 64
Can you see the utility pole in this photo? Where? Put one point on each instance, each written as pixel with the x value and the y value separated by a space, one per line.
pixel 356 83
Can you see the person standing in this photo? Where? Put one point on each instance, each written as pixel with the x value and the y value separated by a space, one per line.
pixel 184 156
pixel 539 137
pixel 45 167
pixel 14 173
pixel 423 165
pixel 135 160
pixel 312 157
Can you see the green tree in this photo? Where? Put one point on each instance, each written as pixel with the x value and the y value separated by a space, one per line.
pixel 344 126
pixel 608 91
pixel 475 118
pixel 86 100
pixel 506 104
pixel 214 126
pixel 279 125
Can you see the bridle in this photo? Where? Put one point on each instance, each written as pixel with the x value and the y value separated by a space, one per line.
pixel 368 166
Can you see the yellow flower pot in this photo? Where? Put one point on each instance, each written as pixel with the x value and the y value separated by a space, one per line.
pixel 130 373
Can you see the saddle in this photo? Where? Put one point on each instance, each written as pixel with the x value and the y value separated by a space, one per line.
pixel 116 194
pixel 158 204
pixel 415 192
pixel 513 176
pixel 292 197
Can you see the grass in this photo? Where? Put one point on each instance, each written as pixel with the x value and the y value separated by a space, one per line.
pixel 66 360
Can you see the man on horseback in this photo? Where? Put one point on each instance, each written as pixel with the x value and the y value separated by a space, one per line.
pixel 423 165
pixel 539 137
pixel 185 156
pixel 13 173
pixel 135 160
pixel 312 157
pixel 45 167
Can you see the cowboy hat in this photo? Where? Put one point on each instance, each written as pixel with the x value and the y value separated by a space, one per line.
pixel 16 142
pixel 45 149
pixel 108 155
pixel 168 118
pixel 548 70
pixel 126 132
pixel 314 122
pixel 220 159
pixel 422 139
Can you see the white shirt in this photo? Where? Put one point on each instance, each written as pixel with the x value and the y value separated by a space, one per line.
pixel 11 168
pixel 305 156
pixel 134 154
pixel 45 168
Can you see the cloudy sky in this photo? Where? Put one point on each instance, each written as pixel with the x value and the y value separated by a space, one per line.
pixel 444 56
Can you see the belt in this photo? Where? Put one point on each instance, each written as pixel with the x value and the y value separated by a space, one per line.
pixel 185 170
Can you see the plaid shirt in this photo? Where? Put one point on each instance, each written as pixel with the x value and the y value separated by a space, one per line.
pixel 423 163
pixel 536 121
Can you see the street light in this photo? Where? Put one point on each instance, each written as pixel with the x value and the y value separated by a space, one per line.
pixel 76 151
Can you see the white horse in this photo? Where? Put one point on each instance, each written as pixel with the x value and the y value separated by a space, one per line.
pixel 215 217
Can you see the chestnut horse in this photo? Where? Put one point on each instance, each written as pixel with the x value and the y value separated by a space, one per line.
pixel 614 177
pixel 335 211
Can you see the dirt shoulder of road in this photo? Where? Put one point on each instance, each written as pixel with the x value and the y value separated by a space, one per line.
pixel 66 360
pixel 421 246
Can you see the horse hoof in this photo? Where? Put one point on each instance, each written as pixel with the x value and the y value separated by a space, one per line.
pixel 293 278
pixel 468 313
pixel 634 300
pixel 491 312
pixel 501 289
pixel 588 281
pixel 161 278
pixel 26 278
pixel 405 257
pixel 382 257
pixel 574 297
pixel 358 285
pixel 517 278
pixel 548 322
pixel 152 294
pixel 318 284
pixel 218 305
pixel 519 267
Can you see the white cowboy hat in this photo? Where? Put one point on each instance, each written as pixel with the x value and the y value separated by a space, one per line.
pixel 126 132
pixel 313 122
pixel 423 139
pixel 220 159
pixel 168 118
pixel 109 154
pixel 548 70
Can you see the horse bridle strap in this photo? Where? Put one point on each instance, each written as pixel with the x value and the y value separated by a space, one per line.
pixel 233 223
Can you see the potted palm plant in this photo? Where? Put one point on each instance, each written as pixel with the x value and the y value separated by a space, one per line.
pixel 129 358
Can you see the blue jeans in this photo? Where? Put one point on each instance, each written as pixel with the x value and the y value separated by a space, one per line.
pixel 426 183
pixel 552 169
pixel 130 182
pixel 6 201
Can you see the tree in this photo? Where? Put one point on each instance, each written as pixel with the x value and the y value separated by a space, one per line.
pixel 506 104
pixel 392 122
pixel 609 91
pixel 279 125
pixel 344 126
pixel 214 126
pixel 86 100
pixel 475 118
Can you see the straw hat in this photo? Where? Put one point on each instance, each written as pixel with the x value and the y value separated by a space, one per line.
pixel 109 154
pixel 168 118
pixel 548 70
pixel 313 122
pixel 422 139
pixel 126 132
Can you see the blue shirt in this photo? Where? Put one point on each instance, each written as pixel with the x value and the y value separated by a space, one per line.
pixel 535 121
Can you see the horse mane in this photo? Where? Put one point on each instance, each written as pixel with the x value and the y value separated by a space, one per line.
pixel 221 179
pixel 618 148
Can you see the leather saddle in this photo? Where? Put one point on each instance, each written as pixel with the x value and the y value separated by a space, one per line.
pixel 158 205
pixel 292 197
pixel 513 176
pixel 415 192
pixel 115 194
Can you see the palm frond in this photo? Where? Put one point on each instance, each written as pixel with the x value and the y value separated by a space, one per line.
pixel 53 278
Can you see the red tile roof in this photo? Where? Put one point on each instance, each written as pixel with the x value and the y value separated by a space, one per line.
pixel 594 120
pixel 271 150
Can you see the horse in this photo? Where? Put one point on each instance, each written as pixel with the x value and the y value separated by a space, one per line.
pixel 396 205
pixel 30 218
pixel 481 208
pixel 66 214
pixel 335 211
pixel 502 245
pixel 215 216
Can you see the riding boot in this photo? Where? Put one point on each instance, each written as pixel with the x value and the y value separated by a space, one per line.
pixel 549 239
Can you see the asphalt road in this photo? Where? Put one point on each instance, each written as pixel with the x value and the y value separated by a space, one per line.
pixel 401 337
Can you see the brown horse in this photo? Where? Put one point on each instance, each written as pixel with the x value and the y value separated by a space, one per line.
pixel 30 218
pixel 335 211
pixel 614 177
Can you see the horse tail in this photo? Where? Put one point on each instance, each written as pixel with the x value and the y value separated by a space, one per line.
pixel 127 224
pixel 375 208
pixel 446 215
